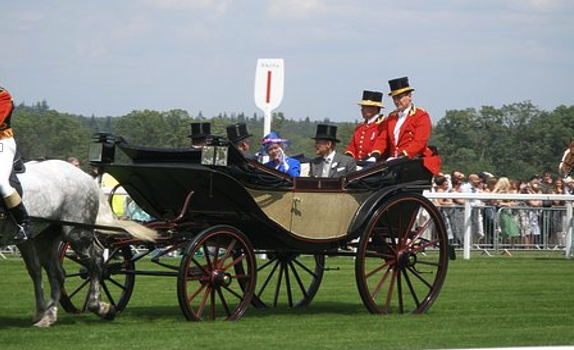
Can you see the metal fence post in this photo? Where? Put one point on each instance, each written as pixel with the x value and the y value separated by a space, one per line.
pixel 569 244
pixel 467 228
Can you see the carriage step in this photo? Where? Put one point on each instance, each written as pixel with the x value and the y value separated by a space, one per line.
pixel 332 268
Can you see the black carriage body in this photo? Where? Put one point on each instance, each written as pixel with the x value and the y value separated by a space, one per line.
pixel 220 209
pixel 274 210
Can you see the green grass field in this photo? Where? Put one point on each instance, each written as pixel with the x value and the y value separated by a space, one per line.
pixel 499 301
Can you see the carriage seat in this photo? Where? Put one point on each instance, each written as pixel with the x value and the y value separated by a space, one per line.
pixel 408 171
pixel 253 174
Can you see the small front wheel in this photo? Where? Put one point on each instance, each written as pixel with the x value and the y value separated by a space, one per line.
pixel 402 256
pixel 117 281
pixel 209 286
pixel 288 279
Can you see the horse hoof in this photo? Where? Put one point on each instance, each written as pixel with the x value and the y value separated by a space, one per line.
pixel 111 314
pixel 43 323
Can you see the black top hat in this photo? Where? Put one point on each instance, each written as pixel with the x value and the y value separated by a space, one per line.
pixel 372 98
pixel 399 85
pixel 326 132
pixel 199 130
pixel 237 132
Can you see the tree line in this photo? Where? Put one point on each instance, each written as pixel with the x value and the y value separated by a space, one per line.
pixel 516 140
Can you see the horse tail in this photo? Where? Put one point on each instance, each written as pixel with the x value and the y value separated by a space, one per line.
pixel 106 217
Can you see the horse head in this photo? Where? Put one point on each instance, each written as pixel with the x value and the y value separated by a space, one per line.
pixel 567 163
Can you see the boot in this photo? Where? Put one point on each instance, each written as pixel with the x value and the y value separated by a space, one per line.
pixel 20 215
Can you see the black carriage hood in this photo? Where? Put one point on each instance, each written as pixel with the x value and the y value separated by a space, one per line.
pixel 164 189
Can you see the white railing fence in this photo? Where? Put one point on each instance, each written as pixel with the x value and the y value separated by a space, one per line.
pixel 468 210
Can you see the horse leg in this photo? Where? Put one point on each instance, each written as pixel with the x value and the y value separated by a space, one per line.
pixel 49 258
pixel 91 255
pixel 28 251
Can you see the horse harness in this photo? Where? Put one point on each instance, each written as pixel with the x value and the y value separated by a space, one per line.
pixel 568 160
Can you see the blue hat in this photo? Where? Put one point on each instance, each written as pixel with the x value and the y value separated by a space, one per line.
pixel 274 139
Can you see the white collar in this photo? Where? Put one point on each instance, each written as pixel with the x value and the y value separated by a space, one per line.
pixel 372 119
pixel 405 112
pixel 330 157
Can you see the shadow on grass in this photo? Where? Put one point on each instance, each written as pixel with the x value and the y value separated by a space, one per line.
pixel 15 322
pixel 63 319
pixel 319 308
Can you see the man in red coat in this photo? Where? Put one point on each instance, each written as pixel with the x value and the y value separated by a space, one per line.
pixel 408 129
pixel 367 132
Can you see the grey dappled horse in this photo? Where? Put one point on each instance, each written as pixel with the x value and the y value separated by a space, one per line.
pixel 59 191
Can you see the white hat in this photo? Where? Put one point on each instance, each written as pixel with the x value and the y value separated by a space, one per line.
pixel 567 180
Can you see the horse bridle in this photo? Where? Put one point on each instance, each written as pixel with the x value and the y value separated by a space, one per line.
pixel 568 164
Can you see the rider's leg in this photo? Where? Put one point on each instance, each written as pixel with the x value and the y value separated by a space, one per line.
pixel 20 214
pixel 8 193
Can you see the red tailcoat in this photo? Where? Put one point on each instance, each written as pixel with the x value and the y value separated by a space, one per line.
pixel 6 107
pixel 364 138
pixel 413 138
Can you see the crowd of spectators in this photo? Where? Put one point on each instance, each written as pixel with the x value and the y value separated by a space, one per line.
pixel 526 223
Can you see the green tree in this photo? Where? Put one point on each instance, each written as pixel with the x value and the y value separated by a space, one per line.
pixel 44 133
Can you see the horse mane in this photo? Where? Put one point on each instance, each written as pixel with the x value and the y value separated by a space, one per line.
pixel 566 165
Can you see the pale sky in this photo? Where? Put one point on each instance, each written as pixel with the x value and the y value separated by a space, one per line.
pixel 110 57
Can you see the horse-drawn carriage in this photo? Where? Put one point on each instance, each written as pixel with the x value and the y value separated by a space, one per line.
pixel 250 235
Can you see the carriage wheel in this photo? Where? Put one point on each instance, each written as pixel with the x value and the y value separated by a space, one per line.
pixel 117 283
pixel 402 257
pixel 288 278
pixel 209 286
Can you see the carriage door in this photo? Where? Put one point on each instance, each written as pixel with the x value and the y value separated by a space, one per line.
pixel 323 215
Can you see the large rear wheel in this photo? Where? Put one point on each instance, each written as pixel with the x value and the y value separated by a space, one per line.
pixel 209 286
pixel 402 256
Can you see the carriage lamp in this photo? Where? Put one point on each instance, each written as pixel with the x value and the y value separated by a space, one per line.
pixel 102 148
pixel 215 151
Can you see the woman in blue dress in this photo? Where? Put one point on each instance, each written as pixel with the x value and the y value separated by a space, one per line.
pixel 274 146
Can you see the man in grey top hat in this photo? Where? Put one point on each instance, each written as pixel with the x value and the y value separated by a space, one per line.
pixel 239 135
pixel 329 162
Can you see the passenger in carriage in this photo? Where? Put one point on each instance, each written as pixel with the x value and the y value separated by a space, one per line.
pixel 9 194
pixel 199 134
pixel 238 135
pixel 407 131
pixel 274 146
pixel 75 162
pixel 329 162
pixel 365 134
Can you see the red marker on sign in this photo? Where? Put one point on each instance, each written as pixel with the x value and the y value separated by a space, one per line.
pixel 269 81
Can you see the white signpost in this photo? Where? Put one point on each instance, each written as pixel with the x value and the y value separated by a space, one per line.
pixel 269 81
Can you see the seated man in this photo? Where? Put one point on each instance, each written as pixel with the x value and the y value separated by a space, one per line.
pixel 240 137
pixel 329 163
pixel 408 129
pixel 199 134
pixel 367 132
pixel 274 145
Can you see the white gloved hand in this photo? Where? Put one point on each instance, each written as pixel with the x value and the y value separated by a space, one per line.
pixel 283 160
pixel 391 158
pixel 281 155
pixel 372 159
